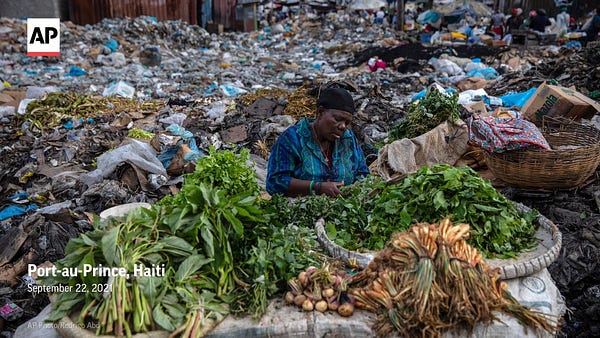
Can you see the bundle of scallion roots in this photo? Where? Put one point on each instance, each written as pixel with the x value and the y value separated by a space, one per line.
pixel 428 280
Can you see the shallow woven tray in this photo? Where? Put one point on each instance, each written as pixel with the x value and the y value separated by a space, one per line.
pixel 549 244
pixel 574 157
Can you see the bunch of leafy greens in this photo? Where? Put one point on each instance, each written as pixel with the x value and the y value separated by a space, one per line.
pixel 136 302
pixel 219 242
pixel 435 108
pixel 497 228
pixel 227 170
pixel 277 250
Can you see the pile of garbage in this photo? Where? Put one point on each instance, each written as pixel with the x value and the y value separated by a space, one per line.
pixel 72 128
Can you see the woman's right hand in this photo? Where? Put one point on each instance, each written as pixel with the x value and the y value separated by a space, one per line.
pixel 330 188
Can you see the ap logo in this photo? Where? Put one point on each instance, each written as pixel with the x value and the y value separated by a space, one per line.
pixel 43 37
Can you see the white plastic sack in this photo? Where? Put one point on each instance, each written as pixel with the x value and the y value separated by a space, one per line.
pixel 536 291
pixel 36 326
pixel 275 125
pixel 229 89
pixel 217 111
pixel 177 118
pixel 22 109
pixel 6 111
pixel 367 4
pixel 140 154
pixel 447 66
pixel 115 59
pixel 467 96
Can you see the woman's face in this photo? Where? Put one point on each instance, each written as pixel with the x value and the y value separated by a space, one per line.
pixel 331 124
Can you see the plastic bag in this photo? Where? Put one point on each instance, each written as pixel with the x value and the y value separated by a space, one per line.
pixel 217 111
pixel 177 130
pixel 120 88
pixel 474 65
pixel 470 96
pixel 76 71
pixel 231 90
pixel 22 109
pixel 177 118
pixel 138 153
pixel 446 66
pixel 13 210
pixel 35 92
pixel 518 99
pixel 112 44
pixel 6 111
pixel 487 73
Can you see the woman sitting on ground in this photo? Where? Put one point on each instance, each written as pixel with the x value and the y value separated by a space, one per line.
pixel 318 156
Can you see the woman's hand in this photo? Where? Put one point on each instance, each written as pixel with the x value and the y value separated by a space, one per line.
pixel 330 189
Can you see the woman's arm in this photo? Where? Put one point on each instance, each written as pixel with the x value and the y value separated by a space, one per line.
pixel 282 161
pixel 299 188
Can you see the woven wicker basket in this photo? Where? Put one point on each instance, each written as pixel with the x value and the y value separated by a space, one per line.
pixel 574 157
pixel 548 236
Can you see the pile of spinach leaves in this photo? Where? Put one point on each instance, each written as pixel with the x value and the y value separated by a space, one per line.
pixel 498 230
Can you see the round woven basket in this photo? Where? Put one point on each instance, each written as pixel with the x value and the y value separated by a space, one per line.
pixel 527 263
pixel 574 157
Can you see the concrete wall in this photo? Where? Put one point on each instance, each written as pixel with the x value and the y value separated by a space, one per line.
pixel 22 9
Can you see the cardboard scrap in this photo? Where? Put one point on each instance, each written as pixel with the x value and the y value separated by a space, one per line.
pixel 550 100
pixel 471 83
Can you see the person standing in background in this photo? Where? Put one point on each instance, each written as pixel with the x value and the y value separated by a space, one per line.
pixel 379 16
pixel 515 22
pixel 498 24
pixel 562 21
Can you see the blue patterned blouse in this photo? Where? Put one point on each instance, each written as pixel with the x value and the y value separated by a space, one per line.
pixel 296 154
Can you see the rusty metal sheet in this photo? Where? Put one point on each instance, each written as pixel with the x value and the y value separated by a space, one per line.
pixel 224 13
pixel 93 11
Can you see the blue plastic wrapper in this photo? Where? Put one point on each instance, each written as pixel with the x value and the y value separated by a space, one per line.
pixel 518 99
pixel 112 45
pixel 486 73
pixel 20 196
pixel 13 210
pixel 178 130
pixel 167 155
pixel 76 71
pixel 573 44
pixel 422 93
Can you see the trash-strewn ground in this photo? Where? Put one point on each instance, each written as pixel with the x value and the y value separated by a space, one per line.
pixel 242 89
